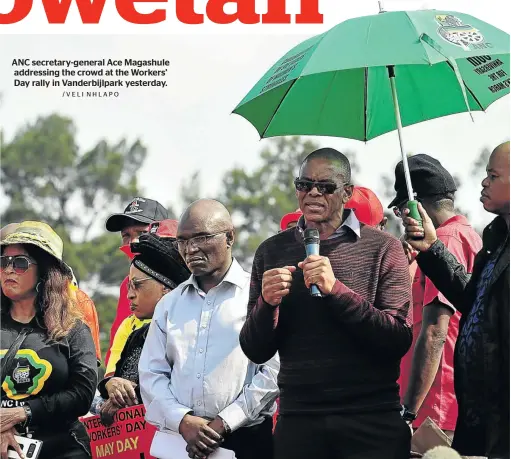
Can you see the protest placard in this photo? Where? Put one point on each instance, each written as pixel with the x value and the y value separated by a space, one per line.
pixel 129 437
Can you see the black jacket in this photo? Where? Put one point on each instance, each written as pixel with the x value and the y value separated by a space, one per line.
pixel 135 340
pixel 56 379
pixel 450 277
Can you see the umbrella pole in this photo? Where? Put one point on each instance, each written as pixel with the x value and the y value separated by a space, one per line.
pixel 412 203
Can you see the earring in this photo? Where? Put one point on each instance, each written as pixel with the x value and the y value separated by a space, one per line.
pixel 37 287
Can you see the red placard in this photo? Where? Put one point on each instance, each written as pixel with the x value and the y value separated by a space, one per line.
pixel 129 437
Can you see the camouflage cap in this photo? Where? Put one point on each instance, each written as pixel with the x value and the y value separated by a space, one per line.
pixel 39 234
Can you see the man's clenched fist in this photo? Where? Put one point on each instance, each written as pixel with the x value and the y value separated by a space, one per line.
pixel 276 284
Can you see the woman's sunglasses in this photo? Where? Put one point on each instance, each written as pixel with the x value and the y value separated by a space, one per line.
pixel 134 284
pixel 20 263
pixel 307 186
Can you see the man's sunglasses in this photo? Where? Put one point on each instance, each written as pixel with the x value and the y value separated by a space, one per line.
pixel 307 186
pixel 20 263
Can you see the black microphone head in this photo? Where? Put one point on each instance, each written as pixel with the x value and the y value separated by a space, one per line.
pixel 311 236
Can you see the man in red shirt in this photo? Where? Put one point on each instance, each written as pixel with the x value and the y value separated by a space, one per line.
pixel 133 222
pixel 290 220
pixel 367 207
pixel 427 370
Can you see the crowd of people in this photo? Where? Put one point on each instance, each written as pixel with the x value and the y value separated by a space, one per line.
pixel 403 329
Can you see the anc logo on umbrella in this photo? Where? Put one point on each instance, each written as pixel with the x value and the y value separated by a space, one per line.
pixel 453 30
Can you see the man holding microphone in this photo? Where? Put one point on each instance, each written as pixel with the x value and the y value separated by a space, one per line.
pixel 339 352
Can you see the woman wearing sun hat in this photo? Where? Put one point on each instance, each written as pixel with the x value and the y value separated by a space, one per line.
pixel 48 366
pixel 84 303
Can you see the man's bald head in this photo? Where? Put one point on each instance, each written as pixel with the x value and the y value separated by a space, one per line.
pixel 8 229
pixel 209 213
pixel 205 237
pixel 502 150
pixel 495 193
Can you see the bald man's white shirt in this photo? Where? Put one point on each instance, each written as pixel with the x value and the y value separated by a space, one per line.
pixel 192 360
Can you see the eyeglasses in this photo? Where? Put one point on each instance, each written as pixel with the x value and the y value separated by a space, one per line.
pixel 20 263
pixel 134 284
pixel 197 241
pixel 306 186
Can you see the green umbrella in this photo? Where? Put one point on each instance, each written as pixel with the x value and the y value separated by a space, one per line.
pixel 371 75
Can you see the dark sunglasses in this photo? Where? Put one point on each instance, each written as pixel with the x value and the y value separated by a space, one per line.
pixel 307 186
pixel 20 263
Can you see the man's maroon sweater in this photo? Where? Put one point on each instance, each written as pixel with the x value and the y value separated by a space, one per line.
pixel 339 353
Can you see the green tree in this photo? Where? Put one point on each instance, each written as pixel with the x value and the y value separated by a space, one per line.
pixel 258 199
pixel 477 174
pixel 387 193
pixel 478 170
pixel 106 306
pixel 190 190
pixel 46 177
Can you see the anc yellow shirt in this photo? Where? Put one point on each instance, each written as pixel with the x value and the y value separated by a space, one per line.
pixel 128 325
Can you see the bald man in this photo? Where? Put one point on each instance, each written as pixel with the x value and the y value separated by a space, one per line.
pixel 481 371
pixel 194 378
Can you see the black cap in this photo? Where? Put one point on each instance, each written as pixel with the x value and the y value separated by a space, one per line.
pixel 428 176
pixel 141 210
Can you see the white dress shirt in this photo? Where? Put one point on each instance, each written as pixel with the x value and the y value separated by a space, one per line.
pixel 351 222
pixel 192 360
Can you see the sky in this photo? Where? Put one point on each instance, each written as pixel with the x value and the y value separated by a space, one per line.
pixel 188 126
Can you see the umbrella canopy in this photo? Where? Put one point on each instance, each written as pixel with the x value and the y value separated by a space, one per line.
pixel 337 83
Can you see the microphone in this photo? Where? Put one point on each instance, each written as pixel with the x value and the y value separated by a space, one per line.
pixel 311 241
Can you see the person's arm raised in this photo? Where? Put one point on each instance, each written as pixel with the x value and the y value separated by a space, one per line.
pixel 436 262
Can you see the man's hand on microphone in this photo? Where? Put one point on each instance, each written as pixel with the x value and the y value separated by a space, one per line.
pixel 318 271
pixel 276 284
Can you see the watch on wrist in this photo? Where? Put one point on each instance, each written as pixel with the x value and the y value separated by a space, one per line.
pixel 28 419
pixel 226 426
pixel 408 415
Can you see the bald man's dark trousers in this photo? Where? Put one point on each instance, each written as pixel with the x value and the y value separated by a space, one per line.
pixel 376 435
pixel 252 442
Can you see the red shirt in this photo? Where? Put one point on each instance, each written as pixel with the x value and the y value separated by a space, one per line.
pixel 440 403
pixel 123 311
